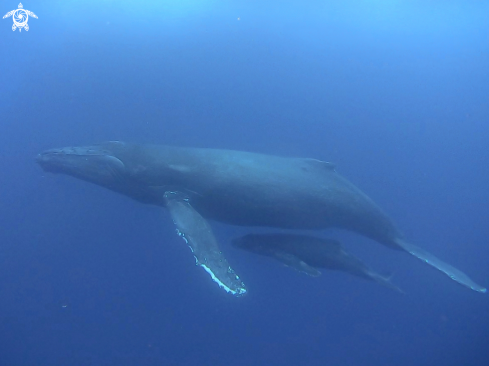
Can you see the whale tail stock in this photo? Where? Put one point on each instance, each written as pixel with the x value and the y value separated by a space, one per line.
pixel 446 268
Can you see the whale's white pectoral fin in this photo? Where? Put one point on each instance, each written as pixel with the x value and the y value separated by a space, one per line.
pixel 197 233
pixel 430 259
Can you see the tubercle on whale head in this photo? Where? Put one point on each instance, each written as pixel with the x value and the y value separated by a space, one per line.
pixel 95 163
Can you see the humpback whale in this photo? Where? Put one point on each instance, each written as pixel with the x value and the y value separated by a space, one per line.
pixel 307 253
pixel 238 188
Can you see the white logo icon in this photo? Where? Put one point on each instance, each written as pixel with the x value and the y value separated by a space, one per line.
pixel 20 17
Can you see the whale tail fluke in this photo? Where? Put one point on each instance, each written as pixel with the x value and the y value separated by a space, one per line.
pixel 449 270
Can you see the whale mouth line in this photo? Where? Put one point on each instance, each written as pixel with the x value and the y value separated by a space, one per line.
pixel 73 152
pixel 83 162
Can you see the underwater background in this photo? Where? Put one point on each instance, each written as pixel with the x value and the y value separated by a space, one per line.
pixel 394 92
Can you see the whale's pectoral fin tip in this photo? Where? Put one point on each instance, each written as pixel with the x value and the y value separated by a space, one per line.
pixel 386 281
pixel 197 233
pixel 446 268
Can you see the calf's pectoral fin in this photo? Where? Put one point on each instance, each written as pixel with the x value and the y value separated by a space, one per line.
pixel 296 263
pixel 197 233
pixel 430 259
pixel 383 280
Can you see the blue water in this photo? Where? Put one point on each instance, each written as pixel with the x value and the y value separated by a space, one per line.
pixel 396 93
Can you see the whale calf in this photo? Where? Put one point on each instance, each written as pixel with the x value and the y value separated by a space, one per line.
pixel 307 253
pixel 238 188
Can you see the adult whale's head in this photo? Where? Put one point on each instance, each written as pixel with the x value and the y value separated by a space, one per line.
pixel 109 164
pixel 96 163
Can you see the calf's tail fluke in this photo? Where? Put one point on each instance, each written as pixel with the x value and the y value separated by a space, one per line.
pixel 450 271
